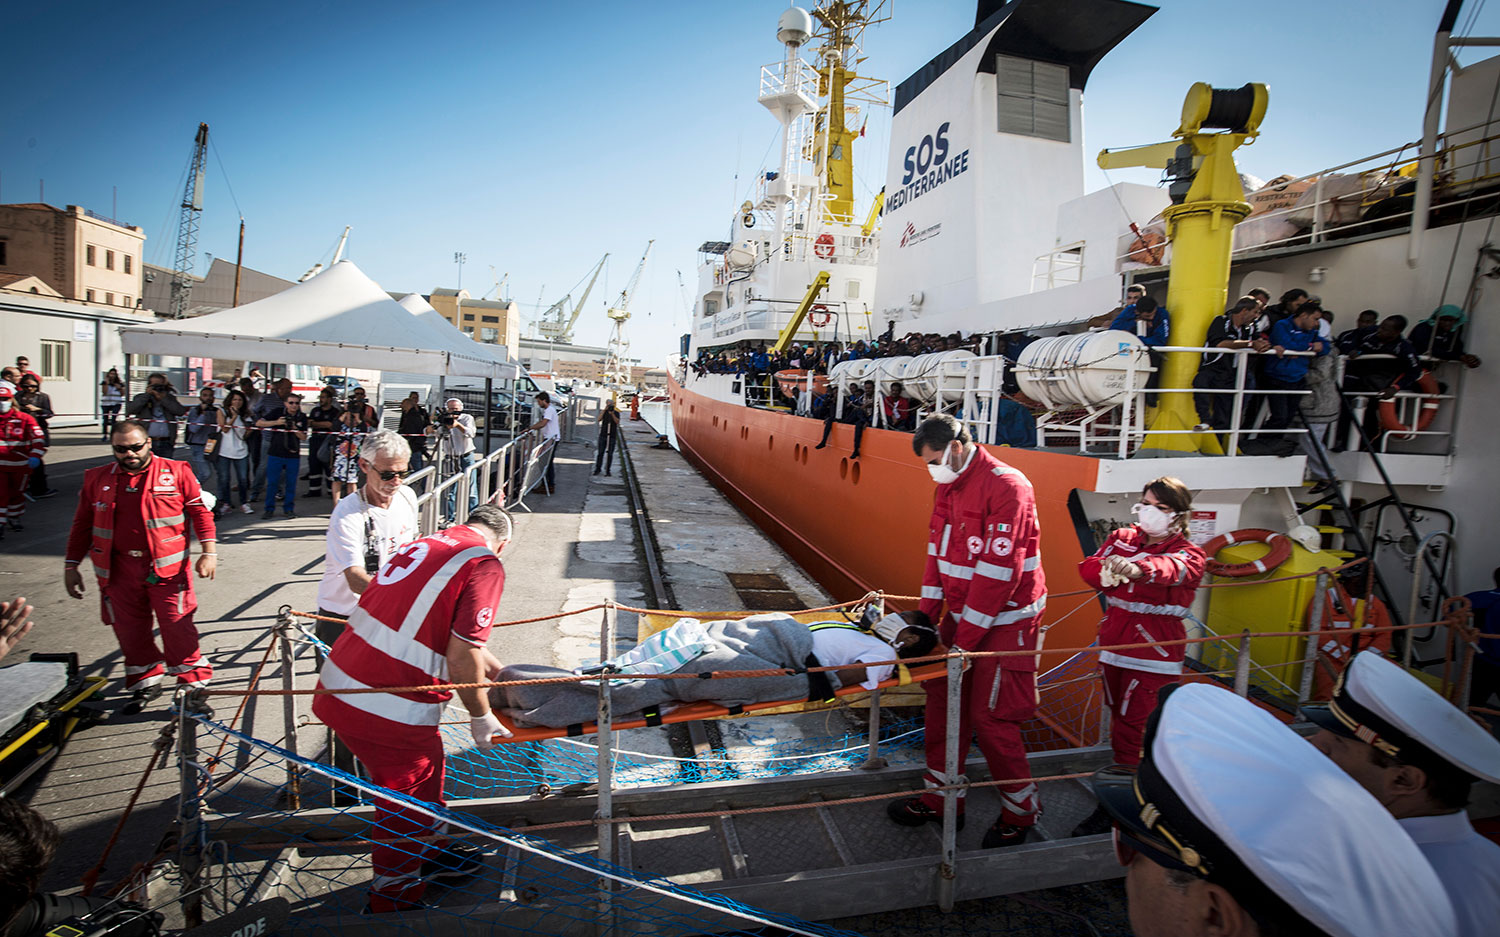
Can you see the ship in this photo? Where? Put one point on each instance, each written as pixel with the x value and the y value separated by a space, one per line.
pixel 984 231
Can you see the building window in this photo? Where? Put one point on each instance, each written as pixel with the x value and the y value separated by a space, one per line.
pixel 125 301
pixel 88 296
pixel 489 335
pixel 468 317
pixel 2 253
pixel 851 289
pixel 109 260
pixel 126 258
pixel 88 255
pixel 57 358
pixel 1033 98
pixel 109 299
pixel 489 319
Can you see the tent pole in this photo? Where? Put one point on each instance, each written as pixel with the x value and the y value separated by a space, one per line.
pixel 489 412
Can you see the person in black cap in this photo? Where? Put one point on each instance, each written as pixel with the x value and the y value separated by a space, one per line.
pixel 1234 826
pixel 1418 755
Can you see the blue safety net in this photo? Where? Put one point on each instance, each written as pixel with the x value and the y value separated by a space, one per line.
pixel 256 844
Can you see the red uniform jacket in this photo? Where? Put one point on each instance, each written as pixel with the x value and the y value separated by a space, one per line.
pixel 984 562
pixel 1152 607
pixel 172 497
pixel 431 590
pixel 21 438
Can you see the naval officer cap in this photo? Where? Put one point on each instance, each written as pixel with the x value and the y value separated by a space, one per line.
pixel 1379 703
pixel 1228 794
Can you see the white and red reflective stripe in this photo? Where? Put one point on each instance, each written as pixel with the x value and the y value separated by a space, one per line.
pixel 981 620
pixel 935 779
pixel 991 571
pixel 1031 564
pixel 1023 801
pixel 943 545
pixel 932 592
pixel 1140 663
pixel 399 645
pixel 955 571
pixel 389 706
pixel 1142 608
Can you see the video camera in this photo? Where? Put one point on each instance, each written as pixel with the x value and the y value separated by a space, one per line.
pixel 47 915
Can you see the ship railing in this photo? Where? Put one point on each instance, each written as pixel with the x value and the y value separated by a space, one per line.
pixel 1341 199
pixel 777 79
pixel 1408 408
pixel 1058 267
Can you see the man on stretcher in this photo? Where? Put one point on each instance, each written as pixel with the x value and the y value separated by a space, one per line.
pixel 761 642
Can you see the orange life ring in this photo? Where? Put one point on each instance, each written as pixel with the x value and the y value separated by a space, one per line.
pixel 1147 249
pixel 1280 551
pixel 819 316
pixel 823 246
pixel 1428 409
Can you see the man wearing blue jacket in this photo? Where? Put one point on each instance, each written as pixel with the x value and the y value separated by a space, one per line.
pixel 1151 324
pixel 1297 332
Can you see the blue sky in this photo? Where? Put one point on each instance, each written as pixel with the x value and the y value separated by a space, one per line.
pixel 536 137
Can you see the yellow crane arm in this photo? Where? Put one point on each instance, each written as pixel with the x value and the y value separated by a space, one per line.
pixel 874 217
pixel 1154 155
pixel 819 284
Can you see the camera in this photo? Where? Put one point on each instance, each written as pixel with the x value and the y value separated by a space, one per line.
pixel 448 419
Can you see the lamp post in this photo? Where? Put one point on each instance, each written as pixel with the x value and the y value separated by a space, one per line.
pixel 459 257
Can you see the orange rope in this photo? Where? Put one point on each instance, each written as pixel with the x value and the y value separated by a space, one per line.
pixel 785 671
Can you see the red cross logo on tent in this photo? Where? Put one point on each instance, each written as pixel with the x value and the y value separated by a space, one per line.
pixel 401 565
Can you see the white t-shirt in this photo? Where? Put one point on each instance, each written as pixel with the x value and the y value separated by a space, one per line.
pixel 393 527
pixel 459 441
pixel 232 444
pixel 553 431
pixel 843 647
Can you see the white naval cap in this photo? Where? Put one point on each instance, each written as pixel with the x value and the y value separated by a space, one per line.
pixel 1226 792
pixel 1376 701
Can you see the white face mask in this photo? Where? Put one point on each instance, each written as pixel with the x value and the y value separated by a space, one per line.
pixel 5 405
pixel 940 471
pixel 1152 519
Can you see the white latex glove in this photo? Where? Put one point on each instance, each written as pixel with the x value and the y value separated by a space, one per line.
pixel 483 728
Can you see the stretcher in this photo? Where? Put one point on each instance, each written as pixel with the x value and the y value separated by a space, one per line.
pixel 40 707
pixel 901 689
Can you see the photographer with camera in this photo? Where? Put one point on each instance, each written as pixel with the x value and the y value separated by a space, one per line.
pixel 157 407
pixel 456 446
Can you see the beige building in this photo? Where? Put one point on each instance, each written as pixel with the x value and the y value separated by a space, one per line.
pixel 496 322
pixel 84 256
pixel 579 370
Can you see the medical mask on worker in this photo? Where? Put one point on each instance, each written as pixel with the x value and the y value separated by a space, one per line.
pixel 940 471
pixel 1152 519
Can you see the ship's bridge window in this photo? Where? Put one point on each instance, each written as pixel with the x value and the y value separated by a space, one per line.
pixel 1032 98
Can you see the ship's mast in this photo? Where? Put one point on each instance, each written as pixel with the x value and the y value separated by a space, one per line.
pixel 842 23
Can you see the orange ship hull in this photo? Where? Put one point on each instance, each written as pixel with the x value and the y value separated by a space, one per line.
pixel 858 525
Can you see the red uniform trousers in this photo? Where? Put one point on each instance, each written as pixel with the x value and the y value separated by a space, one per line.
pixel 13 492
pixel 418 772
pixel 127 605
pixel 994 705
pixel 1131 695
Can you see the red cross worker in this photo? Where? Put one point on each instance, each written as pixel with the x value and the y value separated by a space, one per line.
pixel 984 584
pixel 422 622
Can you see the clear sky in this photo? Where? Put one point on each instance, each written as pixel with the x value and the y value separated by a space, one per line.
pixel 535 137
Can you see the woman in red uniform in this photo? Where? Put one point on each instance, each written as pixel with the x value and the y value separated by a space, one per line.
pixel 1149 573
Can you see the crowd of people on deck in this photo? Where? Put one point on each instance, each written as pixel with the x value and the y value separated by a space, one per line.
pixel 1383 355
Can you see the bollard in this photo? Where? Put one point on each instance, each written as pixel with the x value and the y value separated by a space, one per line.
pixel 948 868
pixel 1242 666
pixel 1310 659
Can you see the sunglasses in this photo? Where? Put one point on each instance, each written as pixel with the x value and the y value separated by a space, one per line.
pixel 135 448
pixel 392 476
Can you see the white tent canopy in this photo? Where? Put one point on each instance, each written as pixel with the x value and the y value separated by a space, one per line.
pixel 339 318
pixel 424 313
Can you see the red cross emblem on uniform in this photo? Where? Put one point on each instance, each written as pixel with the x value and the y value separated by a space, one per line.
pixel 402 564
